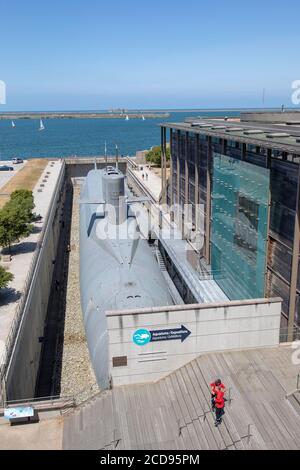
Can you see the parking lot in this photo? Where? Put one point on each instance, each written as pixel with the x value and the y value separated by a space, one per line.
pixel 5 176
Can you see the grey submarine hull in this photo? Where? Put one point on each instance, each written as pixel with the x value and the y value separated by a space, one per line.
pixel 118 270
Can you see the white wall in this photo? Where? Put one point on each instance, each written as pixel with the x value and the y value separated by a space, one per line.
pixel 214 327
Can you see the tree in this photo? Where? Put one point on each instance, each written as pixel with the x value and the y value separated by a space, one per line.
pixel 24 199
pixel 15 218
pixel 154 155
pixel 5 277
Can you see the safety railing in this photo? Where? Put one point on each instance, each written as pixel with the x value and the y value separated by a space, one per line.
pixel 288 335
pixel 64 403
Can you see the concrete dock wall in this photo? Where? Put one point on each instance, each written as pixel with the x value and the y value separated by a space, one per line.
pixel 79 167
pixel 24 362
pixel 212 327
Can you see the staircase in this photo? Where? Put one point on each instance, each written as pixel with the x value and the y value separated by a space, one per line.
pixel 175 412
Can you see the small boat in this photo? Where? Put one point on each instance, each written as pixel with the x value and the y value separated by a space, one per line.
pixel 42 127
pixel 13 124
pixel 143 118
pixel 127 117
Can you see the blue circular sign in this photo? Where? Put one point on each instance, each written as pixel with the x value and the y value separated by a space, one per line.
pixel 141 337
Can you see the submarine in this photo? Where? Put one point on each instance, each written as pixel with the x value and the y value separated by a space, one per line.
pixel 118 269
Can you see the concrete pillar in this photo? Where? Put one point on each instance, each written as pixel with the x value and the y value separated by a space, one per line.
pixel 162 155
pixel 244 149
pixel 178 168
pixel 186 186
pixel 197 184
pixel 186 170
pixel 163 165
pixel 268 164
pixel 295 260
pixel 171 175
pixel 208 200
pixel 224 145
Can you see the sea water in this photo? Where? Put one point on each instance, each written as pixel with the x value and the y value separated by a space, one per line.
pixel 84 137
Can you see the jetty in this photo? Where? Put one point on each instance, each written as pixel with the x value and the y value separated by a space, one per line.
pixel 80 115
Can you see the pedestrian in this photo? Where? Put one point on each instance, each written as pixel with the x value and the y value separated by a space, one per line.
pixel 146 176
pixel 214 388
pixel 219 407
pixel 143 176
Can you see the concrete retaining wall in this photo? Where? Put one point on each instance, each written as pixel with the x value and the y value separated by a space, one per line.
pixel 213 327
pixel 24 363
pixel 79 167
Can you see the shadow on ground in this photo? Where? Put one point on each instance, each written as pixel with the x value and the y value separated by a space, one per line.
pixel 8 296
pixel 23 247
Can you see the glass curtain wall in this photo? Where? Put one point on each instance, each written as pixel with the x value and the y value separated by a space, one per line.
pixel 240 206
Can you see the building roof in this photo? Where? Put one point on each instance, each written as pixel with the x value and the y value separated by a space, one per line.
pixel 282 136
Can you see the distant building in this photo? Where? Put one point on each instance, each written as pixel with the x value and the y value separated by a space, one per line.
pixel 246 175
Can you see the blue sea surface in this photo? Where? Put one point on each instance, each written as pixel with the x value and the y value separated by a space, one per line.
pixel 84 137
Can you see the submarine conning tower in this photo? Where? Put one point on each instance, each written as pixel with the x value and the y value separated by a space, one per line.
pixel 113 182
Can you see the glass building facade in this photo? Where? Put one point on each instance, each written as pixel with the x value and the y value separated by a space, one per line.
pixel 248 195
pixel 240 200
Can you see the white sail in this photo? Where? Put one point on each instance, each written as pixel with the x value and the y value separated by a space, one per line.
pixel 127 117
pixel 42 127
pixel 13 124
pixel 143 118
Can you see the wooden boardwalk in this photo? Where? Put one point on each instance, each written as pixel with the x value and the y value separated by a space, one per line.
pixel 174 413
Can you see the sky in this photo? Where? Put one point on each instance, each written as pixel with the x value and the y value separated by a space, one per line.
pixel 96 54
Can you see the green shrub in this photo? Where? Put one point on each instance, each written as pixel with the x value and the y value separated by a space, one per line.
pixel 5 277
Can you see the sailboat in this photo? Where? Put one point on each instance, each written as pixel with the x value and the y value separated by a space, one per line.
pixel 143 118
pixel 13 124
pixel 42 127
pixel 127 117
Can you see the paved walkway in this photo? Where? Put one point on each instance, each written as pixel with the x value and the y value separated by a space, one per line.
pixel 152 183
pixel 22 254
pixel 45 435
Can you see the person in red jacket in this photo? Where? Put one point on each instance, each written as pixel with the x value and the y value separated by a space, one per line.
pixel 214 388
pixel 219 404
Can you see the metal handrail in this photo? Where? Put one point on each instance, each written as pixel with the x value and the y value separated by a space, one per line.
pixel 74 400
pixel 285 332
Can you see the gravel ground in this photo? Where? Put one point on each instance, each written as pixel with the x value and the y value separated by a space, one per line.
pixel 77 371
